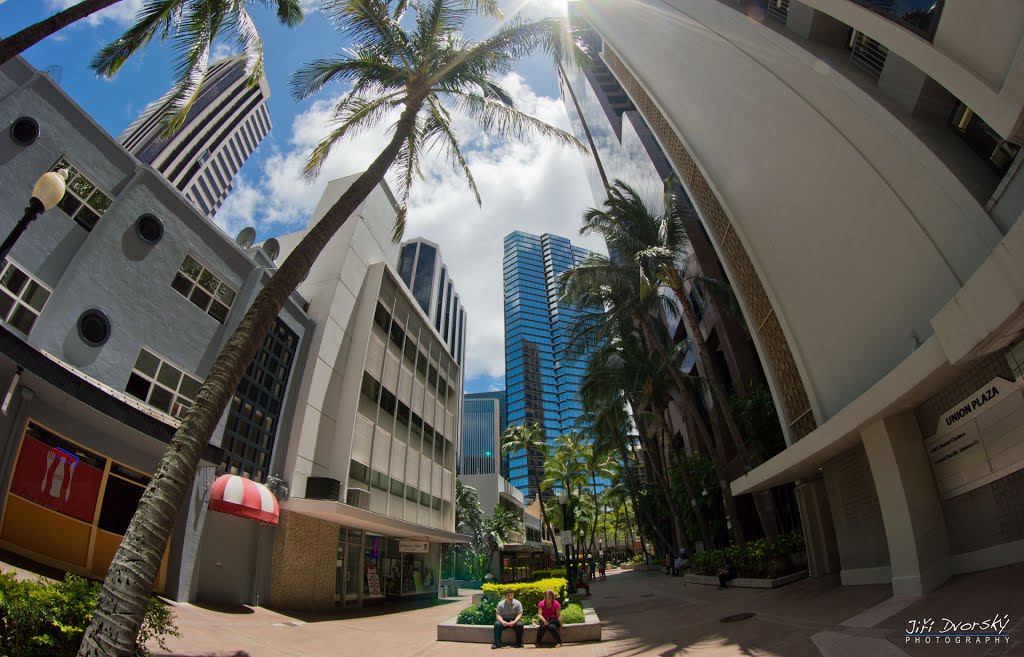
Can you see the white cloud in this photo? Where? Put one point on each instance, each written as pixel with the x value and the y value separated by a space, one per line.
pixel 222 49
pixel 537 187
pixel 120 13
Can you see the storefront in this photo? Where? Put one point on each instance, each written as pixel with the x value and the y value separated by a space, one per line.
pixel 518 562
pixel 373 567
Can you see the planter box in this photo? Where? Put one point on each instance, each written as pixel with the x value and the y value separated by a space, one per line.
pixel 748 582
pixel 590 630
pixel 636 566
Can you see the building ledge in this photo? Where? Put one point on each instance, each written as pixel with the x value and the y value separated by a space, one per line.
pixel 357 518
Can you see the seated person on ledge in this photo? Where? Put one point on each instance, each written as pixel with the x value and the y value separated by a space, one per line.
pixel 508 614
pixel 550 618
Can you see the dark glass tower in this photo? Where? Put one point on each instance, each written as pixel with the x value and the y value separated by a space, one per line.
pixel 542 379
pixel 483 421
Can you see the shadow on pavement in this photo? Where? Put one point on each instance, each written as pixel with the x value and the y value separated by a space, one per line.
pixel 240 653
pixel 225 608
pixel 381 608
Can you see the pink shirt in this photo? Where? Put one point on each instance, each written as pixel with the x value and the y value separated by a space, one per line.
pixel 549 612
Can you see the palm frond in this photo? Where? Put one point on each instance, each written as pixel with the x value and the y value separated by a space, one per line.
pixel 290 12
pixel 351 116
pixel 368 23
pixel 507 122
pixel 248 39
pixel 363 64
pixel 438 127
pixel 156 18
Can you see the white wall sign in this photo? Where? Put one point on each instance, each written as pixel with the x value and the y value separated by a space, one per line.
pixel 416 547
pixel 980 439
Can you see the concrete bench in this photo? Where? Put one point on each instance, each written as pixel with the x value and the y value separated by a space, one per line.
pixel 589 630
pixel 747 582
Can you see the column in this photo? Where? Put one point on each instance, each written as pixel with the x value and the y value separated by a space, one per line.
pixel 911 509
pixel 819 532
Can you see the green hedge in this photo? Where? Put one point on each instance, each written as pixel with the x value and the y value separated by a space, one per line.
pixel 529 593
pixel 40 619
pixel 483 612
pixel 546 574
pixel 756 559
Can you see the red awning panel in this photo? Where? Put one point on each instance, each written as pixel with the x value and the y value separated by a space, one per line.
pixel 244 498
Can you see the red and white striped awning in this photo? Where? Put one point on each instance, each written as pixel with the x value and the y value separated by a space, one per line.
pixel 244 498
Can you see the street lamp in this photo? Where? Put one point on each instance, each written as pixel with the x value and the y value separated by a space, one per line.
pixel 47 192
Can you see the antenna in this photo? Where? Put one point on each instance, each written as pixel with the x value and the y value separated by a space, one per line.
pixel 246 237
pixel 273 248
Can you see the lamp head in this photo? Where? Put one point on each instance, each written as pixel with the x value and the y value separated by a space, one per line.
pixel 563 498
pixel 49 189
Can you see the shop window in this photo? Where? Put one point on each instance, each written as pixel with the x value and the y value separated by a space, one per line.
pixel 21 298
pixel 120 500
pixel 83 201
pixel 204 289
pixel 162 385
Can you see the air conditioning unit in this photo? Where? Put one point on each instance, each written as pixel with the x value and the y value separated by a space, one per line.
pixel 358 498
pixel 323 488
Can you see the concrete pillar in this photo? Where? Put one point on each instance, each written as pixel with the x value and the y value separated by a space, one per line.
pixel 911 509
pixel 819 532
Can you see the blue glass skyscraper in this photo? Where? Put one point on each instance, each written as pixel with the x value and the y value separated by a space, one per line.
pixel 542 377
pixel 483 421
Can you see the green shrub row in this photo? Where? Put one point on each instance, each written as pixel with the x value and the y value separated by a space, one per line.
pixel 756 559
pixel 529 593
pixel 545 574
pixel 483 612
pixel 40 619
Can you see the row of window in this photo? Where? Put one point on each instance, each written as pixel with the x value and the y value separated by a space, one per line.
pixel 378 394
pixel 413 356
pixel 377 479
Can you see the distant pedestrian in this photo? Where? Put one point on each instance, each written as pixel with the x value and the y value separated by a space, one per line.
pixel 601 567
pixel 727 572
pixel 592 564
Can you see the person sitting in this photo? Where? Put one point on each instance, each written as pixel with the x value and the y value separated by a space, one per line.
pixel 727 572
pixel 677 567
pixel 550 619
pixel 509 613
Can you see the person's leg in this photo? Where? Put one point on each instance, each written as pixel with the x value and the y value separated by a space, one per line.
pixel 498 628
pixel 519 633
pixel 542 628
pixel 721 582
pixel 556 630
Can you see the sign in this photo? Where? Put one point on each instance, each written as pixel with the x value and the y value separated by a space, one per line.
pixel 979 440
pixel 566 536
pixel 415 547
pixel 372 580
pixel 57 479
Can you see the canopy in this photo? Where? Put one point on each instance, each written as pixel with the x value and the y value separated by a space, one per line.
pixel 244 498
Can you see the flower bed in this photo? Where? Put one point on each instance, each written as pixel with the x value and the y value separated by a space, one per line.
pixel 529 593
pixel 757 559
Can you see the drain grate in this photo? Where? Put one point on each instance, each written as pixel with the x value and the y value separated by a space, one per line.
pixel 737 617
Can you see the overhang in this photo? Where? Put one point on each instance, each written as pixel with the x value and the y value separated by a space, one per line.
pixel 357 518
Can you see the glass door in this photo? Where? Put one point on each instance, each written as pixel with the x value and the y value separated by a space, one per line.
pixel 352 576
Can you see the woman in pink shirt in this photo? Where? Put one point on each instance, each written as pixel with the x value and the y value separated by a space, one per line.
pixel 550 618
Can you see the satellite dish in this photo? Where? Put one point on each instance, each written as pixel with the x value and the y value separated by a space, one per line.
pixel 273 248
pixel 246 237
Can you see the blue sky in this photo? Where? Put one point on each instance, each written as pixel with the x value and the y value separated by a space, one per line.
pixel 537 187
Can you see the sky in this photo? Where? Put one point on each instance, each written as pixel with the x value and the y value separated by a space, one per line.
pixel 537 187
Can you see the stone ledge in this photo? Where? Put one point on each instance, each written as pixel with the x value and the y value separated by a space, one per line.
pixel 636 566
pixel 748 582
pixel 590 630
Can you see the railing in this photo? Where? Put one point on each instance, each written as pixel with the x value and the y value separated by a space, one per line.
pixel 778 9
pixel 867 54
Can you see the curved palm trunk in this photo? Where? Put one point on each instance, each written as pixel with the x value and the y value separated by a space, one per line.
pixel 593 494
pixel 762 500
pixel 129 581
pixel 702 431
pixel 21 41
pixel 690 493
pixel 543 511
pixel 634 493
pixel 660 473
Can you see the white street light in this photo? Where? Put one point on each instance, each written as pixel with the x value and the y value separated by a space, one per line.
pixel 46 193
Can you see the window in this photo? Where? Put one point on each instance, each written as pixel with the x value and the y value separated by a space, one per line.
pixel 162 385
pixel 21 298
pixel 83 201
pixel 358 472
pixel 203 288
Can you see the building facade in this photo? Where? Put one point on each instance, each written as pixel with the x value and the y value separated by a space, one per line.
pixel 115 305
pixel 523 552
pixel 426 275
pixel 371 464
pixel 856 169
pixel 483 422
pixel 542 377
pixel 226 123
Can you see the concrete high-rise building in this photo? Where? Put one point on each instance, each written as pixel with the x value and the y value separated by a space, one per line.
pixel 542 377
pixel 483 421
pixel 857 171
pixel 426 275
pixel 226 123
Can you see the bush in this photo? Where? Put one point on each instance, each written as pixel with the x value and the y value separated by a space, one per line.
pixel 529 593
pixel 40 619
pixel 546 574
pixel 756 559
pixel 483 612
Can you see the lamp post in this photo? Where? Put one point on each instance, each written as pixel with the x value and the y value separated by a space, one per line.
pixel 46 193
pixel 570 570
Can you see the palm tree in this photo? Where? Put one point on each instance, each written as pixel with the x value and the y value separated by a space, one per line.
pixel 496 532
pixel 193 26
pixel 529 438
pixel 656 245
pixel 420 73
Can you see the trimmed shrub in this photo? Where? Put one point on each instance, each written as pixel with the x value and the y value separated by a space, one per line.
pixel 529 593
pixel 572 613
pixel 756 559
pixel 546 574
pixel 41 619
pixel 483 612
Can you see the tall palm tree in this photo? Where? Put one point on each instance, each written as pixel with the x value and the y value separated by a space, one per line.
pixel 657 244
pixel 417 68
pixel 529 439
pixel 193 26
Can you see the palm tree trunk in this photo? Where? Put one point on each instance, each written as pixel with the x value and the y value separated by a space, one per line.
pixel 634 492
pixel 660 473
pixel 129 581
pixel 764 504
pixel 543 512
pixel 705 533
pixel 21 41
pixel 593 493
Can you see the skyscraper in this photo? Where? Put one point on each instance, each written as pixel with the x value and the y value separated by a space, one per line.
pixel 483 421
pixel 225 125
pixel 542 377
pixel 426 275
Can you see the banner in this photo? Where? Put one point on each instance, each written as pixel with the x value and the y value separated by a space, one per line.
pixel 373 580
pixel 57 480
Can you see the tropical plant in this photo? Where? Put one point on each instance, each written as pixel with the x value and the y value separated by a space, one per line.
pixel 193 26
pixel 417 68
pixel 530 440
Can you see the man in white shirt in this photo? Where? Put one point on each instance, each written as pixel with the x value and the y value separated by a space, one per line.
pixel 508 614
